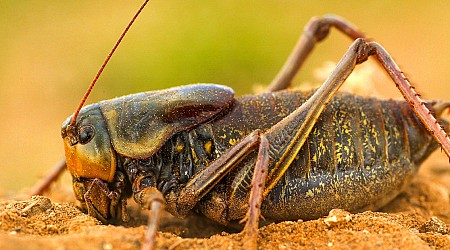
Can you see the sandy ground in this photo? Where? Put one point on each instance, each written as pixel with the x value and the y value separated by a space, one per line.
pixel 417 219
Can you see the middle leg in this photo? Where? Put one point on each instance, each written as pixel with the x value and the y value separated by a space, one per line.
pixel 315 31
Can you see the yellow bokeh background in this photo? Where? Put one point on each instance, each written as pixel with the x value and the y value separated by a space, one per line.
pixel 50 51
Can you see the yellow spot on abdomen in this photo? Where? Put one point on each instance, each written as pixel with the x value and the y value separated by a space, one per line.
pixel 208 146
pixel 310 193
pixel 180 147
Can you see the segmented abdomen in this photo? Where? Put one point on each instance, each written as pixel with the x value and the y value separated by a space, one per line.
pixel 355 133
pixel 359 155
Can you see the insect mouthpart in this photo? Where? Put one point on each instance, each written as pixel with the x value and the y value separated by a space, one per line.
pixel 93 194
pixel 104 201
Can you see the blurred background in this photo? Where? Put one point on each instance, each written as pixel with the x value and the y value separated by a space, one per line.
pixel 51 50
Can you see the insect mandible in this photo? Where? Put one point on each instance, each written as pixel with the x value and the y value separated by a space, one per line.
pixel 199 148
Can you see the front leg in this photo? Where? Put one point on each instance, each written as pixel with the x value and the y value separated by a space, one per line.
pixel 152 199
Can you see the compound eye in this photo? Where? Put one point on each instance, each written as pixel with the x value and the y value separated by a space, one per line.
pixel 86 133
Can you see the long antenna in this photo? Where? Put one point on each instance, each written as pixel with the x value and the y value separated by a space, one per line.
pixel 83 100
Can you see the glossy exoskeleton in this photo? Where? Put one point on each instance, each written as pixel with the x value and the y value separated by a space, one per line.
pixel 359 155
